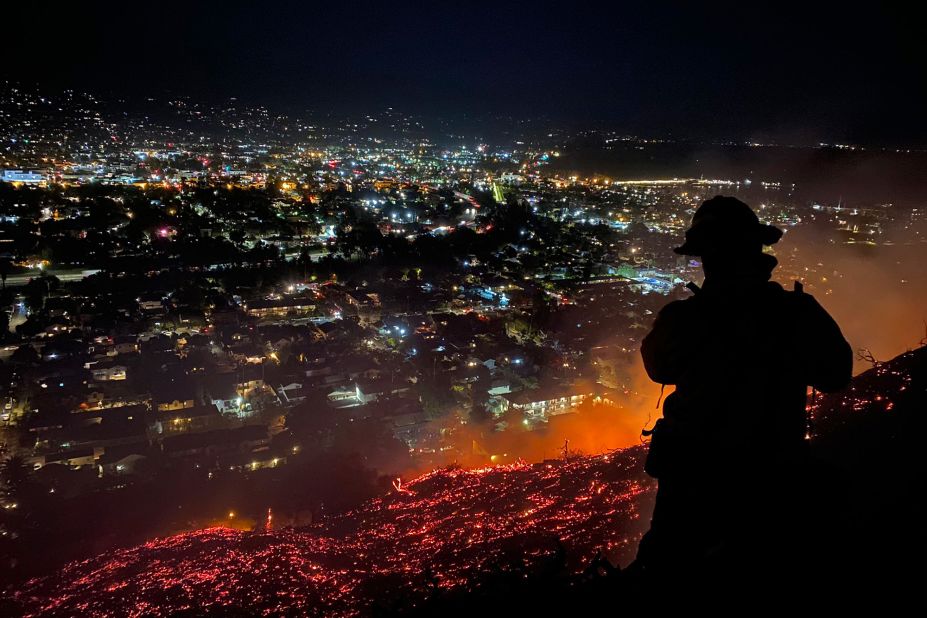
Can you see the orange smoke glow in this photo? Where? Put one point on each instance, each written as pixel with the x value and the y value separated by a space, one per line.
pixel 588 429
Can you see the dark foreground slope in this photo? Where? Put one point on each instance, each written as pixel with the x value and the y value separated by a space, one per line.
pixel 441 531
pixel 864 539
pixel 522 539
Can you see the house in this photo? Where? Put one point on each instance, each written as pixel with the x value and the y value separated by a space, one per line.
pixel 104 396
pixel 501 386
pixel 105 428
pixel 121 461
pixel 409 422
pixel 538 404
pixel 174 393
pixel 291 393
pixel 126 345
pixel 151 303
pixel 190 420
pixel 279 307
pixel 222 391
pixel 362 392
pixel 247 352
pixel 73 458
pixel 96 416
pixel 348 397
pixel 212 444
pixel 236 393
pixel 163 405
pixel 108 373
pixel 318 367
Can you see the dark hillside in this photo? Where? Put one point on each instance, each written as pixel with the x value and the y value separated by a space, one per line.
pixel 526 539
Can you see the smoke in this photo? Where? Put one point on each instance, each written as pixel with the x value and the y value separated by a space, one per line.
pixel 589 428
pixel 877 294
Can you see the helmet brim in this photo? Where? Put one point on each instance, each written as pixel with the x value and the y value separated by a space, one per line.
pixel 765 234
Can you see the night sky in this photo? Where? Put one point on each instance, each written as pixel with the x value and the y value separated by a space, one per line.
pixel 790 73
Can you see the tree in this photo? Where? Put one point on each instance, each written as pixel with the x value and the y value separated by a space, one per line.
pixel 14 476
pixel 363 237
pixel 38 289
pixel 237 236
pixel 436 397
pixel 33 325
pixel 5 268
pixel 313 422
pixel 24 355
pixel 375 443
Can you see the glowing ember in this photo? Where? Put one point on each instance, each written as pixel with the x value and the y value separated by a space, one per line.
pixel 444 528
pixel 447 528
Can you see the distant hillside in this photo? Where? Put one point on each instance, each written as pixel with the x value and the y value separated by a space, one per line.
pixel 516 537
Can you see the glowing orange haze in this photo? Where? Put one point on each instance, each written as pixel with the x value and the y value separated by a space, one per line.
pixel 878 296
pixel 880 301
pixel 590 429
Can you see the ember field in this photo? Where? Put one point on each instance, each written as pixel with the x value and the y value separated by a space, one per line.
pixel 452 528
pixel 442 529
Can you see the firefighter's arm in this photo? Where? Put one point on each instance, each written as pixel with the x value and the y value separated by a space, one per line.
pixel 829 358
pixel 663 349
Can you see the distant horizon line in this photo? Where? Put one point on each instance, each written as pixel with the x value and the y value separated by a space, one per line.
pixel 573 129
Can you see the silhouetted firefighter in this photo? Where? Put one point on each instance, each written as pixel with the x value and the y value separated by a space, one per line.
pixel 729 450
